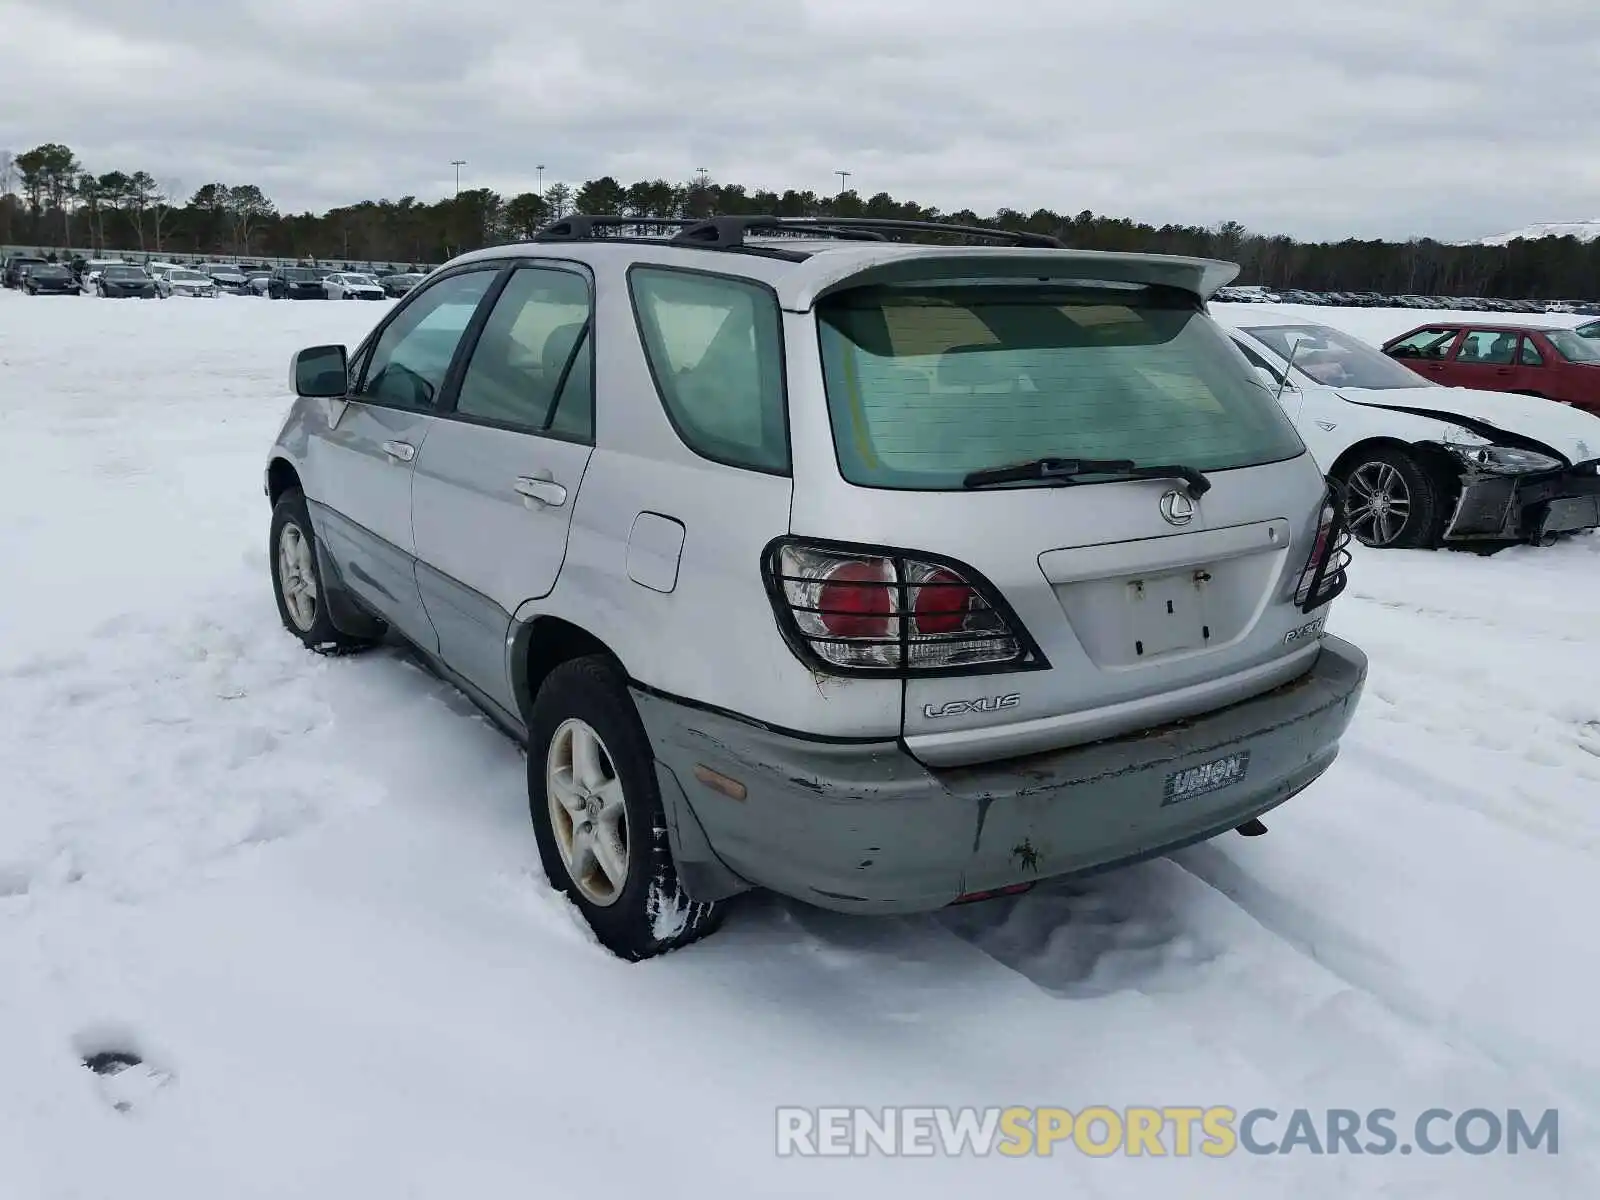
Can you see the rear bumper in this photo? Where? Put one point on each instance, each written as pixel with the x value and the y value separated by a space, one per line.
pixel 1512 508
pixel 867 828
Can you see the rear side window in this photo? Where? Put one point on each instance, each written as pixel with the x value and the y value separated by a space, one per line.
pixel 524 371
pixel 1488 346
pixel 927 384
pixel 715 349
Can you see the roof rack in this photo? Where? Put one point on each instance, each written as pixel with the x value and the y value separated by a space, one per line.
pixel 732 232
pixel 578 227
pixel 729 232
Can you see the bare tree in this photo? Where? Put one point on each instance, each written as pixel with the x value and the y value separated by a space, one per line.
pixel 557 196
pixel 8 180
pixel 142 191
pixel 246 206
pixel 167 191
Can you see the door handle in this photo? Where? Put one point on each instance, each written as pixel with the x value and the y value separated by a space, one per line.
pixel 541 490
pixel 404 451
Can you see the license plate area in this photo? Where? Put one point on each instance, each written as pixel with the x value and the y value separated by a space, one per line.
pixel 1207 777
pixel 1167 613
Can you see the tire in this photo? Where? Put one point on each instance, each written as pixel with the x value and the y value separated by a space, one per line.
pixel 644 912
pixel 1391 473
pixel 297 582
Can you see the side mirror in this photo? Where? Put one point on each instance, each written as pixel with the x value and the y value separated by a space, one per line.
pixel 1268 379
pixel 320 371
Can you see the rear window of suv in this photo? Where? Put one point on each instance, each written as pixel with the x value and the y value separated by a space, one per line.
pixel 926 384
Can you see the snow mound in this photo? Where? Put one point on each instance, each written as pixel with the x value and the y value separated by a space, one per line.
pixel 1584 231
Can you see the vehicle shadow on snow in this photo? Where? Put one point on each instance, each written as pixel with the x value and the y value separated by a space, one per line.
pixel 1128 930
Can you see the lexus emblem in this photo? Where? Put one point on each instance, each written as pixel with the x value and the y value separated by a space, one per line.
pixel 1177 508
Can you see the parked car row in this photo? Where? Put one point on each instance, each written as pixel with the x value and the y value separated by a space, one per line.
pixel 1261 295
pixel 115 277
pixel 322 283
pixel 1050 504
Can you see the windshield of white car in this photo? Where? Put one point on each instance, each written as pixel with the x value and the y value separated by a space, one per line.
pixel 1335 359
pixel 188 277
pixel 1573 347
pixel 361 280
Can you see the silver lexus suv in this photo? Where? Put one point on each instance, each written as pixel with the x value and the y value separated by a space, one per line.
pixel 886 574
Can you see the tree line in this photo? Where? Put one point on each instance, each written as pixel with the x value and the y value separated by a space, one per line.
pixel 49 198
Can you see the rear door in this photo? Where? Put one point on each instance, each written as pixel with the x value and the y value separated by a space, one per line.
pixel 1485 359
pixel 360 469
pixel 1531 372
pixel 498 477
pixel 1144 600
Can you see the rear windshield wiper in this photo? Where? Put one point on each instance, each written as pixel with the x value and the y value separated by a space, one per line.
pixel 1066 471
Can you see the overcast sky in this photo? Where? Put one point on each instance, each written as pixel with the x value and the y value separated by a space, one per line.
pixel 1318 118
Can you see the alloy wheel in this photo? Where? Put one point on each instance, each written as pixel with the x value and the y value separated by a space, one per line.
pixel 1380 503
pixel 587 813
pixel 297 578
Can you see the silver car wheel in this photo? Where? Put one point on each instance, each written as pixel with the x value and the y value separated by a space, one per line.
pixel 587 813
pixel 297 577
pixel 1380 503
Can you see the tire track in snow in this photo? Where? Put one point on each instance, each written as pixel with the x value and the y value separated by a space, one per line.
pixel 1260 978
pixel 1504 612
pixel 162 746
pixel 1530 811
pixel 1364 966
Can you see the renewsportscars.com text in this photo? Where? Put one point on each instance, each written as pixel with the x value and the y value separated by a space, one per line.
pixel 1167 1131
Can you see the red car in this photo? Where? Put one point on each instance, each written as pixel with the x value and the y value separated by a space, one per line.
pixel 1557 364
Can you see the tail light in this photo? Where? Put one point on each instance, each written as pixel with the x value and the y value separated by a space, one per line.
pixel 851 610
pixel 1324 575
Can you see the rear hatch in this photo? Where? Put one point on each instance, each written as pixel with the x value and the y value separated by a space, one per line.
pixel 1129 602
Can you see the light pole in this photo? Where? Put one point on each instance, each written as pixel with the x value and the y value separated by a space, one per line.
pixel 458 163
pixel 843 187
pixel 702 172
pixel 540 169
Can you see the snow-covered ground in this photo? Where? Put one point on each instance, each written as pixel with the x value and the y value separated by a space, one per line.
pixel 305 893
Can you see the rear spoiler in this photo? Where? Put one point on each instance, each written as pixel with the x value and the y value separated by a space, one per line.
pixel 823 274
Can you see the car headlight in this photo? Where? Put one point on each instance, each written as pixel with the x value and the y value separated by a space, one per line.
pixel 1504 460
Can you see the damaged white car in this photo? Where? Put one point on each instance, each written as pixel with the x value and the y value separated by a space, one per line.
pixel 1424 465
